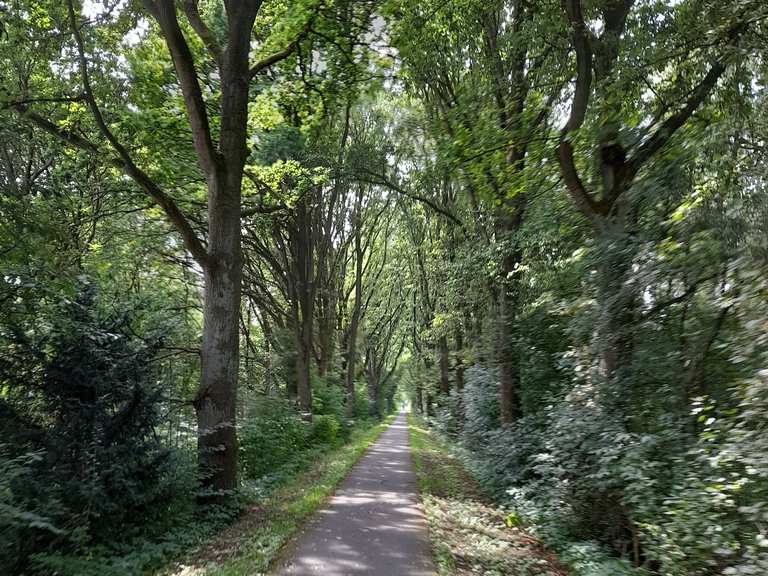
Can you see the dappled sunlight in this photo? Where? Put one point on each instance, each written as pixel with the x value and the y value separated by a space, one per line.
pixel 469 535
pixel 373 524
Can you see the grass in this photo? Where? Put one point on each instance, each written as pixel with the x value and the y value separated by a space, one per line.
pixel 252 543
pixel 469 534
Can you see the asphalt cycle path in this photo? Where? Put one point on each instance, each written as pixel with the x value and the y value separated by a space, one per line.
pixel 373 524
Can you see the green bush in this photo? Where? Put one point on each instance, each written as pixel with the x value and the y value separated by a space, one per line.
pixel 328 396
pixel 362 402
pixel 273 434
pixel 83 466
pixel 325 429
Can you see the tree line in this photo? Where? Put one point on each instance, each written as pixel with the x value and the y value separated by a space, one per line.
pixel 541 223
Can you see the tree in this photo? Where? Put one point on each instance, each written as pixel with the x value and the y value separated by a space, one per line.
pixel 220 55
pixel 611 213
pixel 489 94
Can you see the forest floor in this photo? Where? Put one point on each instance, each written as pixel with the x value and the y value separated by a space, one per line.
pixel 255 539
pixel 470 536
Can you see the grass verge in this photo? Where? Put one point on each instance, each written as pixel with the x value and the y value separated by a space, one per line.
pixel 469 534
pixel 253 542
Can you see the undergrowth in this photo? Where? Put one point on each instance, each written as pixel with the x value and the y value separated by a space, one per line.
pixel 469 534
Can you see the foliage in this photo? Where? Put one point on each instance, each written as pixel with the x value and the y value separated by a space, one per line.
pixel 542 223
pixel 273 434
pixel 469 534
pixel 325 429
pixel 79 397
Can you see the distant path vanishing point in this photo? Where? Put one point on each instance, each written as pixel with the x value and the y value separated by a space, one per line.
pixel 373 524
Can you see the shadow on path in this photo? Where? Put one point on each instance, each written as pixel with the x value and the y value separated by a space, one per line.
pixel 373 524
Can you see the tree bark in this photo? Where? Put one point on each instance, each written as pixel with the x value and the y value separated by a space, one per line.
pixel 509 398
pixel 216 400
pixel 304 263
pixel 615 298
pixel 444 362
pixel 508 223
pixel 356 309
pixel 459 367
pixel 222 165
pixel 217 397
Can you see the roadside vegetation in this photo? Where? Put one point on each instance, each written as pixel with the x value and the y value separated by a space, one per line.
pixel 469 534
pixel 254 541
pixel 234 234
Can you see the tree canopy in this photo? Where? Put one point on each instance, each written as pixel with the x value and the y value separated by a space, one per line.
pixel 233 233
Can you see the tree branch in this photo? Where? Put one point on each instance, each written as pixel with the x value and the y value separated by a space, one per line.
pixel 581 44
pixel 124 161
pixel 380 180
pixel 209 40
pixel 166 203
pixel 164 12
pixel 688 293
pixel 268 61
pixel 666 130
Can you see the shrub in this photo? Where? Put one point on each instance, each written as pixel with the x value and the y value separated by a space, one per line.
pixel 78 393
pixel 19 518
pixel 362 401
pixel 272 435
pixel 328 396
pixel 325 429
pixel 481 404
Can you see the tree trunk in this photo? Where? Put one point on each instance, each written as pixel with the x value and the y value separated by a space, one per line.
pixel 615 297
pixel 325 332
pixel 303 380
pixel 216 400
pixel 355 321
pixel 445 381
pixel 459 369
pixel 505 350
pixel 508 397
pixel 373 383
pixel 305 293
pixel 349 377
pixel 304 357
pixel 430 406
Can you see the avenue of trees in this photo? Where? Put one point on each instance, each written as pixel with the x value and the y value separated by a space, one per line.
pixel 234 231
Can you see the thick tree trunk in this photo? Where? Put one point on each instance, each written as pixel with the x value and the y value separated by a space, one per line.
pixel 216 399
pixel 305 294
pixel 505 349
pixel 616 303
pixel 303 380
pixel 304 356
pixel 615 297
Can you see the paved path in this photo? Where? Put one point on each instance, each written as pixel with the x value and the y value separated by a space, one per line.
pixel 373 524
